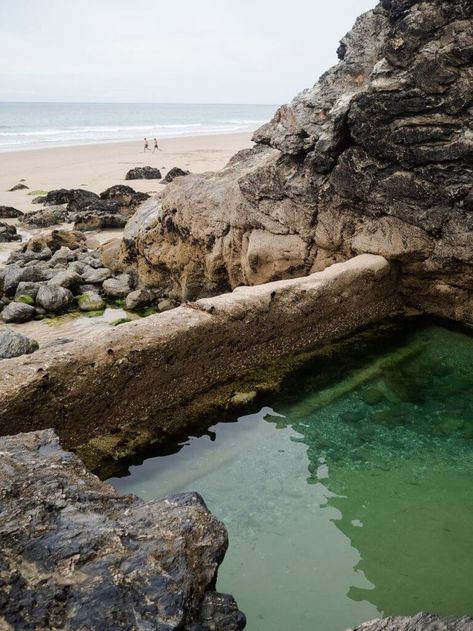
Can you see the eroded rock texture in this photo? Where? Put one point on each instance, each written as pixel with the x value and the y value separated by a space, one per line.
pixel 421 622
pixel 75 555
pixel 376 157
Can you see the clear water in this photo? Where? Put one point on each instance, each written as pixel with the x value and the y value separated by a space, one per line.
pixel 36 125
pixel 348 495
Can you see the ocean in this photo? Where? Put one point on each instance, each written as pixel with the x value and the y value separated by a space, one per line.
pixel 39 125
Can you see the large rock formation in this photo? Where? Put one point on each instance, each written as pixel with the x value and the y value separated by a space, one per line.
pixel 377 157
pixel 75 555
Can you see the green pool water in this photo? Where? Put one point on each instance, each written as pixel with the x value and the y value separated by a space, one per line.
pixel 348 495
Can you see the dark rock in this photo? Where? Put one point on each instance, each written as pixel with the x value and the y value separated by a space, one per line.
pixel 13 344
pixel 106 561
pixel 420 622
pixel 96 221
pixel 8 233
pixel 143 173
pixel 40 199
pixel 18 187
pixel 54 298
pixel 125 196
pixel 49 216
pixel 75 198
pixel 66 278
pixel 173 173
pixel 18 312
pixel 8 212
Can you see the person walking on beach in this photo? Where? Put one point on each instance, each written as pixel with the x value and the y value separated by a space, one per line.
pixel 156 146
pixel 146 146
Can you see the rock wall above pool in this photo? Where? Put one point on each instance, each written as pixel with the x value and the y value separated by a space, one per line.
pixel 76 555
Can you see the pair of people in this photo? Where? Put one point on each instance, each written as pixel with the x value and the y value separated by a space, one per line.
pixel 146 146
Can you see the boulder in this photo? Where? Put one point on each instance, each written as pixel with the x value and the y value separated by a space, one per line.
pixel 27 288
pixel 54 298
pixel 173 173
pixel 126 196
pixel 46 217
pixel 13 344
pixel 18 312
pixel 63 256
pixel 18 187
pixel 75 198
pixel 8 212
pixel 376 157
pixel 66 278
pixel 8 233
pixel 77 555
pixel 109 254
pixel 139 298
pixel 118 287
pixel 97 221
pixel 95 276
pixel 143 173
pixel 90 301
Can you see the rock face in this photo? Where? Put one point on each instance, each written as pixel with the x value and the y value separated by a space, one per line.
pixel 143 173
pixel 75 555
pixel 421 622
pixel 376 157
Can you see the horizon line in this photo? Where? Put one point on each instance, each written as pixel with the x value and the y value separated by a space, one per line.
pixel 138 102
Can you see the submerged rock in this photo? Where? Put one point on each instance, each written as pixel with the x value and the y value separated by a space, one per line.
pixel 420 622
pixel 13 344
pixel 105 561
pixel 143 173
pixel 18 187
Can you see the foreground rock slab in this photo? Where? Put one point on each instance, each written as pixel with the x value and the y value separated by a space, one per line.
pixel 421 622
pixel 76 555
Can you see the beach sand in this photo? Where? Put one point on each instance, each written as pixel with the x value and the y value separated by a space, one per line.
pixel 96 167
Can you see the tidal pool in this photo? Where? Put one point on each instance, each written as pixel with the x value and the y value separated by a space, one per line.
pixel 349 494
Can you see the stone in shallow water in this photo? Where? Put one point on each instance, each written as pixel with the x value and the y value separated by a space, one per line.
pixel 14 344
pixel 54 298
pixel 106 561
pixel 90 301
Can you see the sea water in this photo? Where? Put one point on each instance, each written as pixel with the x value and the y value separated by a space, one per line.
pixel 349 494
pixel 36 125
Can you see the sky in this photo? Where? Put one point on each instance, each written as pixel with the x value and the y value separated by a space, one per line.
pixel 189 51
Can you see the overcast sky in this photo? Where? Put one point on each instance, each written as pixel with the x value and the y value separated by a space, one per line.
pixel 208 51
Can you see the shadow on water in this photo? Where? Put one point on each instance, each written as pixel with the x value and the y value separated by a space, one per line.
pixel 350 494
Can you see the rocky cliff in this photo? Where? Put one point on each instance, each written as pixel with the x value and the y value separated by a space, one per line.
pixel 377 157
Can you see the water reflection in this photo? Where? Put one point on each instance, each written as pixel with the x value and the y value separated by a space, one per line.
pixel 352 500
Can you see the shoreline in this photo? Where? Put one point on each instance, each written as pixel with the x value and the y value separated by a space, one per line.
pixel 123 141
pixel 98 166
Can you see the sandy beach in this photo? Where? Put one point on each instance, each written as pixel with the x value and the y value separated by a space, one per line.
pixel 96 167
